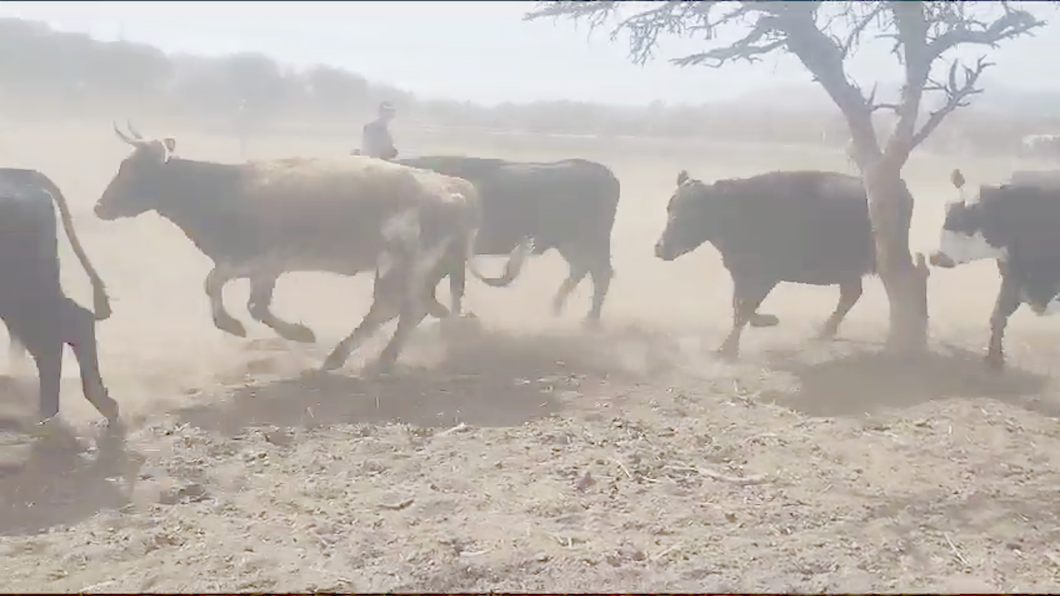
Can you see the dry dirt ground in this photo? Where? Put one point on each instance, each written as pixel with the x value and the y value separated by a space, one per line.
pixel 531 455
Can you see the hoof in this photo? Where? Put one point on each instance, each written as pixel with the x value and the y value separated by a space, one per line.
pixel 47 422
pixel 299 333
pixel 110 410
pixel 826 334
pixel 115 427
pixel 591 323
pixel 728 352
pixel 231 327
pixel 759 320
pixel 334 361
pixel 994 362
pixel 47 428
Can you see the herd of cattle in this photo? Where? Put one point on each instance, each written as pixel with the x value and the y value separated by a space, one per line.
pixel 417 221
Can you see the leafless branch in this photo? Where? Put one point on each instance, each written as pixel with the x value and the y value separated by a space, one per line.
pixel 968 31
pixel 922 33
pixel 956 96
pixel 751 48
pixel 857 23
pixel 597 10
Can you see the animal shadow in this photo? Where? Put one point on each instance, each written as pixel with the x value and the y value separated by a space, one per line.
pixel 492 379
pixel 48 477
pixel 870 380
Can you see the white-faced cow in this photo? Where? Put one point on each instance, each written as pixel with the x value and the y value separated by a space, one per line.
pixel 568 205
pixel 261 219
pixel 1016 224
pixel 40 318
pixel 804 226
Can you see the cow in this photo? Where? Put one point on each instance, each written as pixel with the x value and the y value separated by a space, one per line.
pixel 1015 224
pixel 805 227
pixel 261 219
pixel 568 205
pixel 40 318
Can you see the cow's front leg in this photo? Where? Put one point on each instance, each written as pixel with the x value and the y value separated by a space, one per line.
pixel 748 294
pixel 261 289
pixel 214 285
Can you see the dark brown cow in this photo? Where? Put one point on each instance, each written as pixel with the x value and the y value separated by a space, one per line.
pixel 346 215
pixel 40 318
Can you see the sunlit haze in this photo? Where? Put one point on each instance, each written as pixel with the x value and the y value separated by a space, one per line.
pixel 478 51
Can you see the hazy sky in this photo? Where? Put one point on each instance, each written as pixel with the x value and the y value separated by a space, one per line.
pixel 480 51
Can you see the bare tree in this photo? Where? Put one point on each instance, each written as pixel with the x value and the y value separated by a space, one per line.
pixel 823 35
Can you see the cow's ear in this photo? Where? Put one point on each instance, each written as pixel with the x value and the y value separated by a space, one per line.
pixel 957 178
pixel 170 143
pixel 682 177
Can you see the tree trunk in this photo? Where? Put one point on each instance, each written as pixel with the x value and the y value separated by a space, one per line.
pixel 891 212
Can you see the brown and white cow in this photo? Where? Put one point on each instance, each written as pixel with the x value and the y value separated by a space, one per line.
pixel 342 215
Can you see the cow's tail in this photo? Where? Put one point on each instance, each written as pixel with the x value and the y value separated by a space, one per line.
pixel 516 260
pixel 100 300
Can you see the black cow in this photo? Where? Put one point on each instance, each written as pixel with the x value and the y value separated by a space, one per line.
pixel 38 315
pixel 1015 224
pixel 568 205
pixel 804 227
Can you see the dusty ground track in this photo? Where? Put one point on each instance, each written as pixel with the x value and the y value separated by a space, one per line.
pixel 532 455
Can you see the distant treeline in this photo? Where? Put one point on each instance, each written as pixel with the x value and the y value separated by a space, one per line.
pixel 48 69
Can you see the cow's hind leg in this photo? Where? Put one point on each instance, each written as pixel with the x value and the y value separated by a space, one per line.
pixel 457 285
pixel 79 330
pixel 601 273
pixel 16 355
pixel 386 305
pixel 214 285
pixel 578 271
pixel 849 294
pixel 595 262
pixel 747 295
pixel 413 309
pixel 1008 300
pixel 435 308
pixel 43 338
pixel 454 266
pixel 411 314
pixel 259 303
pixel 455 269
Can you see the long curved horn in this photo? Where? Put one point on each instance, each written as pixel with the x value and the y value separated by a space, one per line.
pixel 123 136
pixel 132 129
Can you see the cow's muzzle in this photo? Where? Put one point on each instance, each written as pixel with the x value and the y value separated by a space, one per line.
pixel 101 211
pixel 939 259
pixel 663 253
